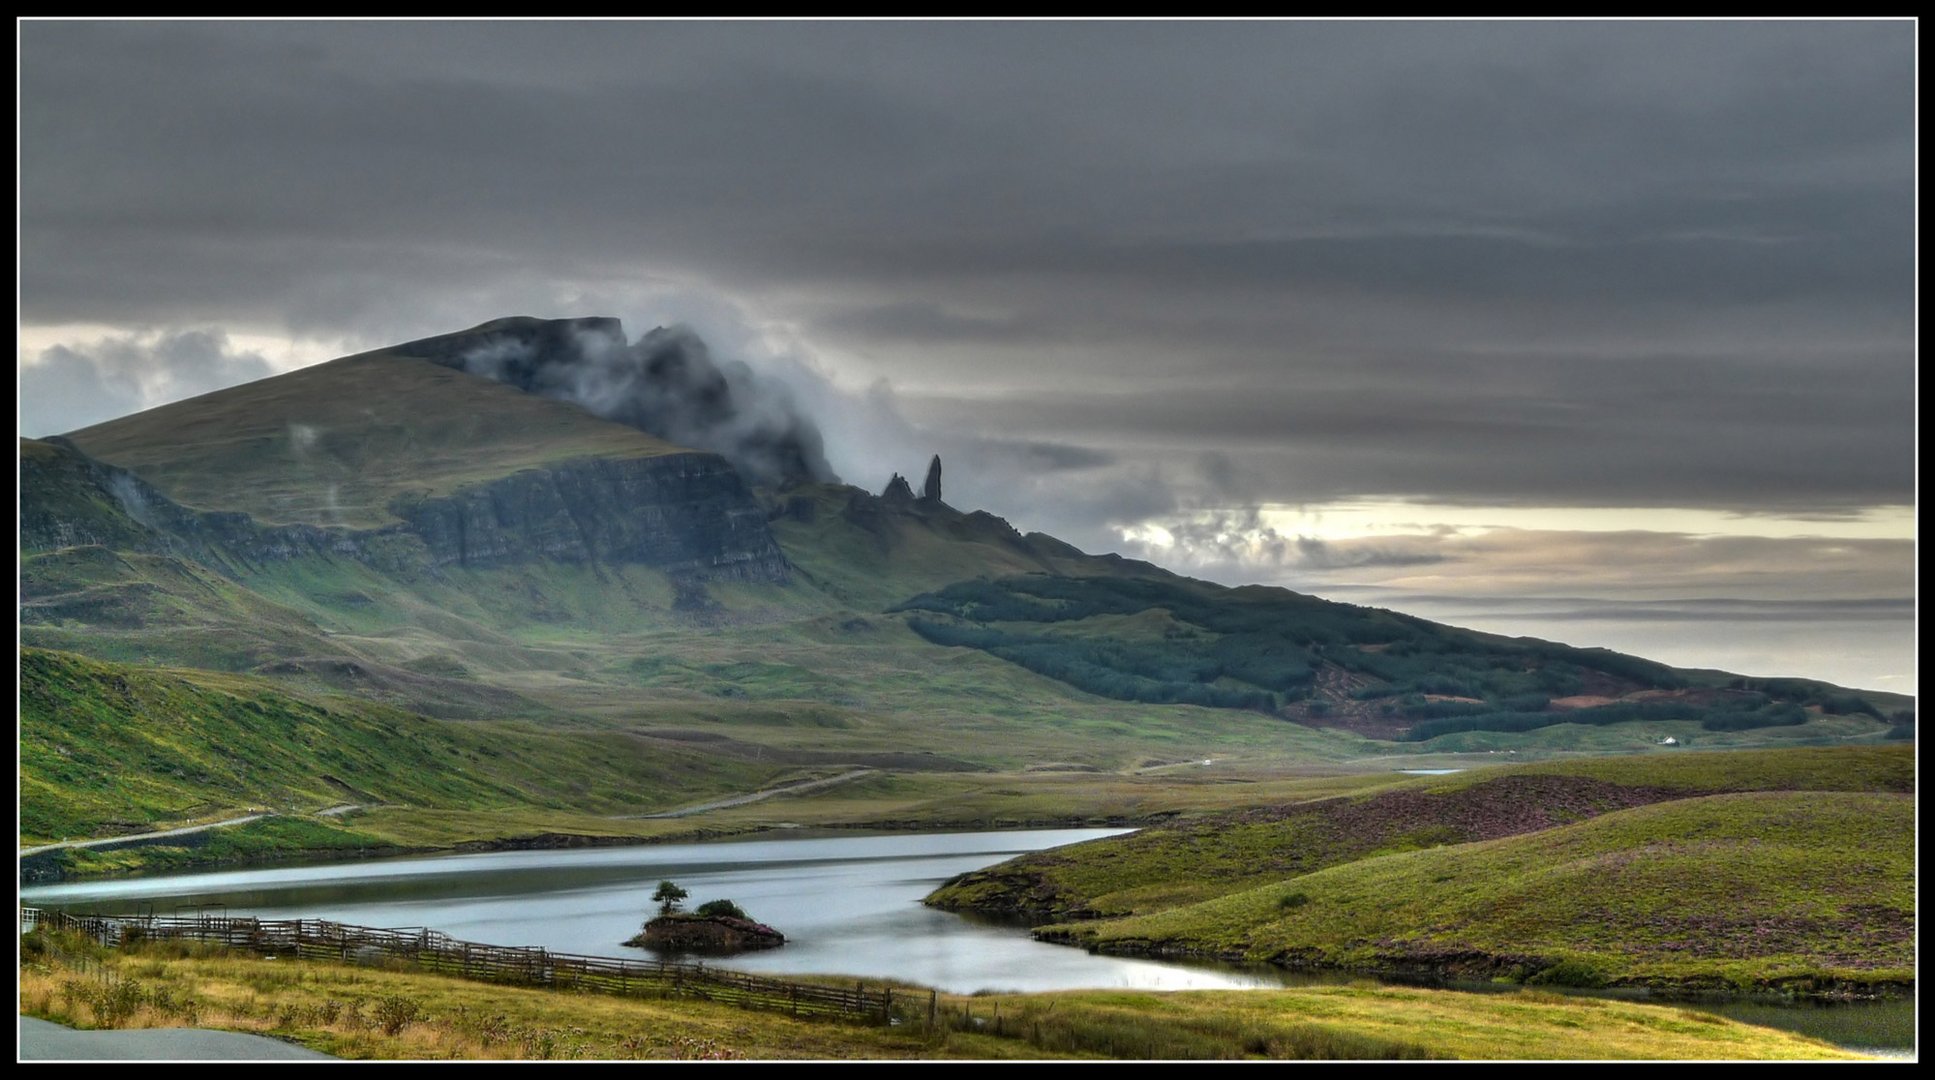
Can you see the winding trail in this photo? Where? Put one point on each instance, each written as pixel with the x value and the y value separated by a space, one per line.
pixel 753 797
pixel 111 841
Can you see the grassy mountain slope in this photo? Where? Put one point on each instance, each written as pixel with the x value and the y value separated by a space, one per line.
pixel 865 554
pixel 336 443
pixel 109 748
pixel 137 606
pixel 1211 855
pixel 1763 889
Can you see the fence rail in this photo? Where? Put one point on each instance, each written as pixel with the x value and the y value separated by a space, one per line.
pixel 433 950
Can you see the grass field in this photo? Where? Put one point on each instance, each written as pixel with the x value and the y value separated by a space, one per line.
pixel 1802 891
pixel 1206 855
pixel 370 1013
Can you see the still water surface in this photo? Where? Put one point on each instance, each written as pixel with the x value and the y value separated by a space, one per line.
pixel 847 904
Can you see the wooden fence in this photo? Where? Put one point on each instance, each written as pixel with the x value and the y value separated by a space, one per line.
pixel 432 950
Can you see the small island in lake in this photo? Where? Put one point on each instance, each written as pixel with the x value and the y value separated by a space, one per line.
pixel 716 927
pixel 707 934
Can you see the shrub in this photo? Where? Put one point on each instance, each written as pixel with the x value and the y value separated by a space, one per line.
pixel 394 1012
pixel 1570 973
pixel 716 908
pixel 115 1001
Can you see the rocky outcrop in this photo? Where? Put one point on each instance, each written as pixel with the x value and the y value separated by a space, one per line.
pixel 898 491
pixel 685 513
pixel 930 491
pixel 711 934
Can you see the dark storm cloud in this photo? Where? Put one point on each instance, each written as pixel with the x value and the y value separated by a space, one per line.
pixel 1320 554
pixel 1617 263
pixel 1513 573
pixel 1770 431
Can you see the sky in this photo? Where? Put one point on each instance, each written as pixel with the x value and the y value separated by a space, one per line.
pixel 1595 331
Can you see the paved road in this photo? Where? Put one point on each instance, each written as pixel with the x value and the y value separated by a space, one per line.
pixel 41 1040
pixel 112 840
pixel 755 796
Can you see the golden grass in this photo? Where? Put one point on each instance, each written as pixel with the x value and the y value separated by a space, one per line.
pixel 357 1012
pixel 1526 1025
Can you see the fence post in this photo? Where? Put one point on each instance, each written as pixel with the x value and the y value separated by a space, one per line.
pixel 933 1002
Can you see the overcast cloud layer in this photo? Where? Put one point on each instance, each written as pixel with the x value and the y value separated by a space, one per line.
pixel 1114 273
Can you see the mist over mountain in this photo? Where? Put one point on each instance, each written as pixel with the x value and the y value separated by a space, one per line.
pixel 667 384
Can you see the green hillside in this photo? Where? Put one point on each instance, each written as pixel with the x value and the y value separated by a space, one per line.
pixel 1376 672
pixel 141 607
pixel 337 443
pixel 1803 891
pixel 1208 855
pixel 861 553
pixel 109 748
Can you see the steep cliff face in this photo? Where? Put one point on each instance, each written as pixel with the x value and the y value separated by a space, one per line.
pixel 68 499
pixel 685 513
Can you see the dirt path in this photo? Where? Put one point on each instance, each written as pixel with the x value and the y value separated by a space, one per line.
pixel 110 841
pixel 755 796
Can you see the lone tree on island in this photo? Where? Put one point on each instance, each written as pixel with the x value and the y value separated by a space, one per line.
pixel 668 897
